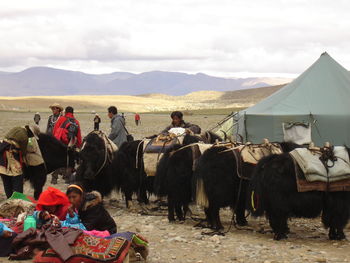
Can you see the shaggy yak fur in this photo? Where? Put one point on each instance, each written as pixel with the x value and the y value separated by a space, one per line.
pixel 55 155
pixel 275 193
pixel 222 185
pixel 93 172
pixel 174 178
pixel 134 179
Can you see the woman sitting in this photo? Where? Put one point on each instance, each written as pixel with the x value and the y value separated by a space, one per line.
pixel 54 202
pixel 90 209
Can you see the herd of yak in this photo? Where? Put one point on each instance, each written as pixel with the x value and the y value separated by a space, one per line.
pixel 268 188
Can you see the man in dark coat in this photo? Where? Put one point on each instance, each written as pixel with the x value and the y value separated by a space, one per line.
pixel 178 122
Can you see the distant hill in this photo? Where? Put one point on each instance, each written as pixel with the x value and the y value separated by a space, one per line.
pixel 144 103
pixel 45 81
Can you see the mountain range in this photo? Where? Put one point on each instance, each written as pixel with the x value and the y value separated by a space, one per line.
pixel 46 81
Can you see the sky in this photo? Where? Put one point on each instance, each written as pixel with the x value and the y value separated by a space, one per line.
pixel 230 38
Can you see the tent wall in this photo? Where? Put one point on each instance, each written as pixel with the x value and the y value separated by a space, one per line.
pixel 254 128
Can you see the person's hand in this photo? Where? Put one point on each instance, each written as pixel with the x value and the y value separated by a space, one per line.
pixel 71 210
pixel 7 234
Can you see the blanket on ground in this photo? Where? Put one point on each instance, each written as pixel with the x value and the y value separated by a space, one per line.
pixel 90 249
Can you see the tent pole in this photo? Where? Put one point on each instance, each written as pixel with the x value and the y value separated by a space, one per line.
pixel 245 127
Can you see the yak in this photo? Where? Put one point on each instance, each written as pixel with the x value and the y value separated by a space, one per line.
pixel 133 177
pixel 55 155
pixel 174 177
pixel 274 192
pixel 223 185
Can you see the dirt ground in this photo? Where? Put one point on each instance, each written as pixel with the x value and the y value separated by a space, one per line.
pixel 181 243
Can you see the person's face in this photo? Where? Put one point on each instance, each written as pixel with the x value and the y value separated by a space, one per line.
pixel 110 115
pixel 50 208
pixel 55 111
pixel 176 121
pixel 75 199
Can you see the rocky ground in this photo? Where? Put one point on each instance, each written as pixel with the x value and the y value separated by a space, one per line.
pixel 182 242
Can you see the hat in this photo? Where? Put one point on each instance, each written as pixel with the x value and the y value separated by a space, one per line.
pixel 56 105
pixel 35 130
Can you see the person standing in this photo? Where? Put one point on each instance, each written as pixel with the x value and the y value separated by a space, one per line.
pixel 97 121
pixel 118 131
pixel 56 114
pixel 37 118
pixel 137 119
pixel 13 150
pixel 67 130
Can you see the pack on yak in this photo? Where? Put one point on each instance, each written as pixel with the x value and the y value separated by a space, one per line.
pixel 303 183
pixel 138 161
pixel 222 176
pixel 174 175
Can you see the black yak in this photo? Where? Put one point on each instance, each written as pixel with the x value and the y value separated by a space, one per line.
pixel 274 191
pixel 174 178
pixel 219 183
pixel 55 155
pixel 133 178
pixel 97 169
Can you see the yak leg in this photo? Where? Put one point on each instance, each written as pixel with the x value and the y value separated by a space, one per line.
pixel 215 217
pixel 185 210
pixel 171 209
pixel 278 223
pixel 335 214
pixel 178 210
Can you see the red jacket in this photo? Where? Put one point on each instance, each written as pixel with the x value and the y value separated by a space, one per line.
pixel 137 117
pixel 61 133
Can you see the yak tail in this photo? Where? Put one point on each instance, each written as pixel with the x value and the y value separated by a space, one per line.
pixel 256 187
pixel 201 196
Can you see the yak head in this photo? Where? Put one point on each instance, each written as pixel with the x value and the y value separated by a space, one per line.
pixel 92 156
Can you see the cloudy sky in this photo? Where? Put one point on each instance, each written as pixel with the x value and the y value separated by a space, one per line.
pixel 218 37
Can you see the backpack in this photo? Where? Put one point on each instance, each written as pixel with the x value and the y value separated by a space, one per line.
pixel 72 128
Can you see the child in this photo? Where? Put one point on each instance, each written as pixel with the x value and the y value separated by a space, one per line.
pixel 90 209
pixel 55 202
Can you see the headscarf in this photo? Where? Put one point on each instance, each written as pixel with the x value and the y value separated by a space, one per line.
pixel 52 197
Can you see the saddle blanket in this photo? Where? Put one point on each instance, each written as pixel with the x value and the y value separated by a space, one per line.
pixel 253 153
pixel 314 170
pixel 161 144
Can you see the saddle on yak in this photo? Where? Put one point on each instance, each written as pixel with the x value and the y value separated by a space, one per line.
pixel 252 154
pixel 153 150
pixel 322 169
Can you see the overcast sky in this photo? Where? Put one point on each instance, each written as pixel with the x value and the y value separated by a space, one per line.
pixel 218 37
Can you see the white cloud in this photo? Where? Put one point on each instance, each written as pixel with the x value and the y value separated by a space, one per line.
pixel 221 37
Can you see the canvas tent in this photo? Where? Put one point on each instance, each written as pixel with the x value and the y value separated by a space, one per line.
pixel 320 98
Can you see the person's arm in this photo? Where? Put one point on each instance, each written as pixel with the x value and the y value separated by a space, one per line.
pixel 79 138
pixel 48 124
pixel 194 128
pixel 166 129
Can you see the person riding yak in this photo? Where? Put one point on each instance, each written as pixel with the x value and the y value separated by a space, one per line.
pixel 178 122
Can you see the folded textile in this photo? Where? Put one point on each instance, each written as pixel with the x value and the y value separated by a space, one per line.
pixel 90 249
pixel 97 233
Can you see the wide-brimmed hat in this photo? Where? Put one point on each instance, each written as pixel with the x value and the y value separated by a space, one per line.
pixel 56 105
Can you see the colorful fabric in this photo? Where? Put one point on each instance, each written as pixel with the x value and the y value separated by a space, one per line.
pixel 11 208
pixel 97 233
pixel 73 222
pixel 91 249
pixel 61 133
pixel 54 197
pixel 17 195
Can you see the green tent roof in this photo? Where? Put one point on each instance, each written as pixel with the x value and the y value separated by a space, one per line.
pixel 324 88
pixel 320 96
